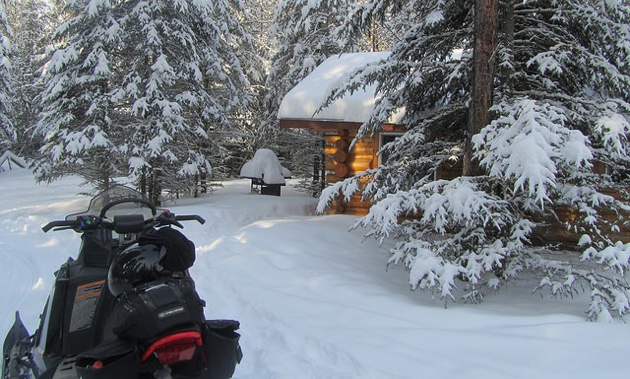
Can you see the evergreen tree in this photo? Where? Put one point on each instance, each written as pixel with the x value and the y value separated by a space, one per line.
pixel 149 87
pixel 560 105
pixel 8 134
pixel 31 24
pixel 182 79
pixel 302 37
pixel 302 33
pixel 79 120
pixel 239 144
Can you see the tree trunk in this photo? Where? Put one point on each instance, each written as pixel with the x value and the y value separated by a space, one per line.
pixel 507 12
pixel 155 186
pixel 486 25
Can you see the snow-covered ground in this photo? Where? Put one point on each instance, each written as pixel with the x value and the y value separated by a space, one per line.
pixel 315 301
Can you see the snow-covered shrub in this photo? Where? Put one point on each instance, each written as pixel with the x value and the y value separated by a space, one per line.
pixel 463 231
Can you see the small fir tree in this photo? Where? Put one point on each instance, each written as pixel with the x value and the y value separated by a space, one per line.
pixel 183 80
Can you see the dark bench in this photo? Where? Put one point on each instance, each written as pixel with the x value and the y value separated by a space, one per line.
pixel 259 186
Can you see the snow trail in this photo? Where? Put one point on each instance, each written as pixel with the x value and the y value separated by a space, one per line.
pixel 315 301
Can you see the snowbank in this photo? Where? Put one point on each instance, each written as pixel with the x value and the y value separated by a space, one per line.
pixel 315 301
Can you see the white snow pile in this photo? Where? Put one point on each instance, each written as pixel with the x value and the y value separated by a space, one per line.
pixel 314 300
pixel 266 166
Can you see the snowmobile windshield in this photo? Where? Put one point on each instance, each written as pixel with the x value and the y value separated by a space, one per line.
pixel 118 200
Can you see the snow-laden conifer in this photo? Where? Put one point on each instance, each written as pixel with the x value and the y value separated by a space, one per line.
pixel 561 109
pixel 79 121
pixel 253 51
pixel 31 23
pixel 8 133
pixel 142 86
pixel 182 78
pixel 301 36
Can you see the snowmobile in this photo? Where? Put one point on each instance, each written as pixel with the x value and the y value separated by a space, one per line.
pixel 126 307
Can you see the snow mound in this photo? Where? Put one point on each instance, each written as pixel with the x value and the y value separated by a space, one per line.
pixel 266 166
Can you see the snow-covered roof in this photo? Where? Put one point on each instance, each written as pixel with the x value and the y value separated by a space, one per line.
pixel 303 101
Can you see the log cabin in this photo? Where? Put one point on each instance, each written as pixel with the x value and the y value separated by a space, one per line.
pixel 339 122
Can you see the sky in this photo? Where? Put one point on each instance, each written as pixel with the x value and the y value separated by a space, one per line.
pixel 315 300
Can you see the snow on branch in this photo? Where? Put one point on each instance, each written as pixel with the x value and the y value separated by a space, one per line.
pixel 8 157
pixel 615 129
pixel 528 145
pixel 615 256
pixel 452 230
pixel 608 292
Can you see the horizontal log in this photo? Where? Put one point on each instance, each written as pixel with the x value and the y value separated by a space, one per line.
pixel 342 144
pixel 356 207
pixel 332 178
pixel 341 170
pixel 330 164
pixel 330 150
pixel 341 156
pixel 361 166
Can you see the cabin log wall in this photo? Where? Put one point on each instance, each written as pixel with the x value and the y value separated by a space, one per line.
pixel 342 162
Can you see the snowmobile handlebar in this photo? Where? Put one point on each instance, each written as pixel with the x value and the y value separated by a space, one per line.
pixel 121 223
pixel 168 218
pixel 60 224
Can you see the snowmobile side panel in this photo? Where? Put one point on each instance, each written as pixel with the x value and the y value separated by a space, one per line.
pixel 16 334
pixel 52 320
pixel 89 305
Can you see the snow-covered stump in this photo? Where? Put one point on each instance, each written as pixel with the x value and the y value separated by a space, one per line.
pixel 266 173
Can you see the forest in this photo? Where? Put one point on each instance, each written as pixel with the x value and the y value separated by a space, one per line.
pixel 533 97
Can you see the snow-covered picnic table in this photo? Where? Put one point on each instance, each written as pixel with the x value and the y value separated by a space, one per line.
pixel 266 173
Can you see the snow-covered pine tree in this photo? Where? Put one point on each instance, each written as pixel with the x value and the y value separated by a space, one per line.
pixel 182 79
pixel 568 99
pixel 302 38
pixel 31 25
pixel 560 105
pixel 79 121
pixel 253 50
pixel 8 134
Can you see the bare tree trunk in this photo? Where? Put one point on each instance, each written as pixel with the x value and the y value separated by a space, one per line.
pixel 155 185
pixel 486 25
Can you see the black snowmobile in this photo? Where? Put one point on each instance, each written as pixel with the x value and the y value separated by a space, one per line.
pixel 127 306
